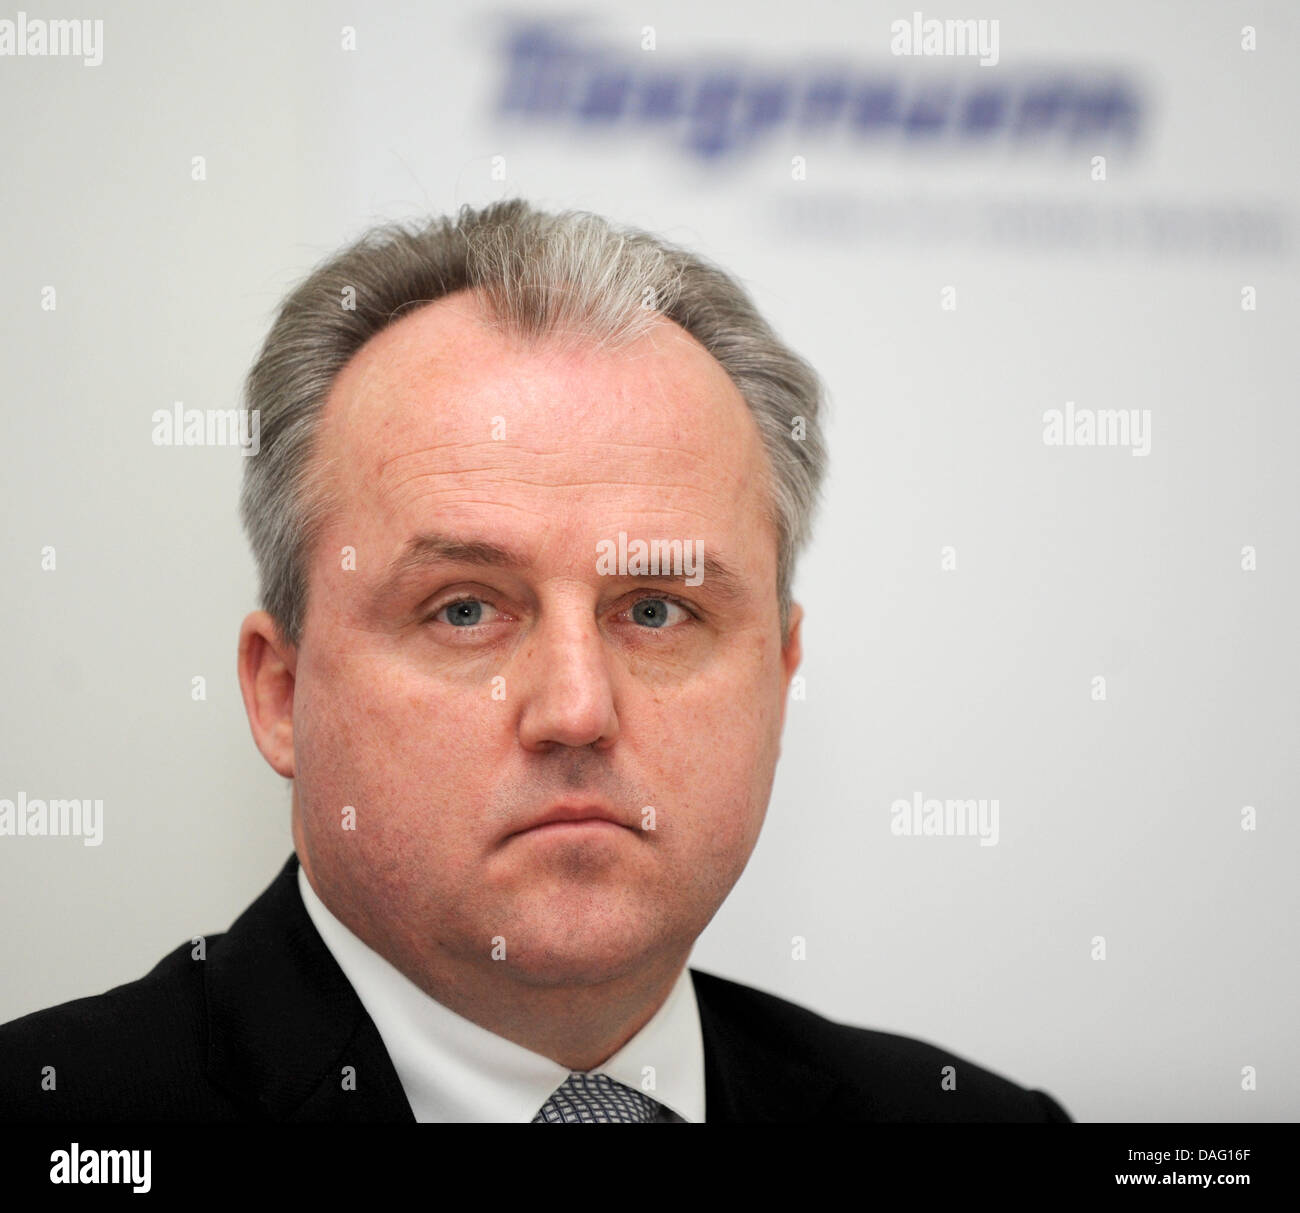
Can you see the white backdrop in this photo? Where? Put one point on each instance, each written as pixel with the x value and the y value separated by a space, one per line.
pixel 1119 818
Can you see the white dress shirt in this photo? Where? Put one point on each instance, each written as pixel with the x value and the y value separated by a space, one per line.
pixel 452 1070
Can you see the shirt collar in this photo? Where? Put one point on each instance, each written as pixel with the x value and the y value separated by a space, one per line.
pixel 454 1070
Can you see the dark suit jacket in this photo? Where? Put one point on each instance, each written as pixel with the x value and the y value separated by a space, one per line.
pixel 262 1028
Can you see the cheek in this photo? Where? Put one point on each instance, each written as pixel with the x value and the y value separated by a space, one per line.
pixel 713 750
pixel 404 753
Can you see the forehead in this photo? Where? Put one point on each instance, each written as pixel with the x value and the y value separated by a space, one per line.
pixel 442 404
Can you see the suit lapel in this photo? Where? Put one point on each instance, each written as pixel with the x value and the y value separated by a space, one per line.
pixel 284 1023
pixel 748 1078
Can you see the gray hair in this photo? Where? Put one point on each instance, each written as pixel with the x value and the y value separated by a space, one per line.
pixel 568 276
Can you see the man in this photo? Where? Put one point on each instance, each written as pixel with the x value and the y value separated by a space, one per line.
pixel 526 513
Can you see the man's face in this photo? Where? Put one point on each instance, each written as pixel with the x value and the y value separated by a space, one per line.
pixel 453 698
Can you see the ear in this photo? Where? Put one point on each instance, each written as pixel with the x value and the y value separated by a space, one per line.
pixel 266 679
pixel 791 656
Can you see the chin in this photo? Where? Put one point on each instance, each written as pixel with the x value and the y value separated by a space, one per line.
pixel 581 951
pixel 559 967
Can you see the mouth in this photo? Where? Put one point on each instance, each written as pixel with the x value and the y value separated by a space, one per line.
pixel 586 825
pixel 572 820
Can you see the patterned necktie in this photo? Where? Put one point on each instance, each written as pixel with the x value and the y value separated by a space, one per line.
pixel 596 1099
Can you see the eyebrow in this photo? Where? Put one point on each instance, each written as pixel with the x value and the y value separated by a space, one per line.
pixel 422 551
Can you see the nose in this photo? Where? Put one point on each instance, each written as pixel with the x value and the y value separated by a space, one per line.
pixel 564 685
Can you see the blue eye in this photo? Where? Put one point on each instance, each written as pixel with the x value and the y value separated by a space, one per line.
pixel 463 614
pixel 654 612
